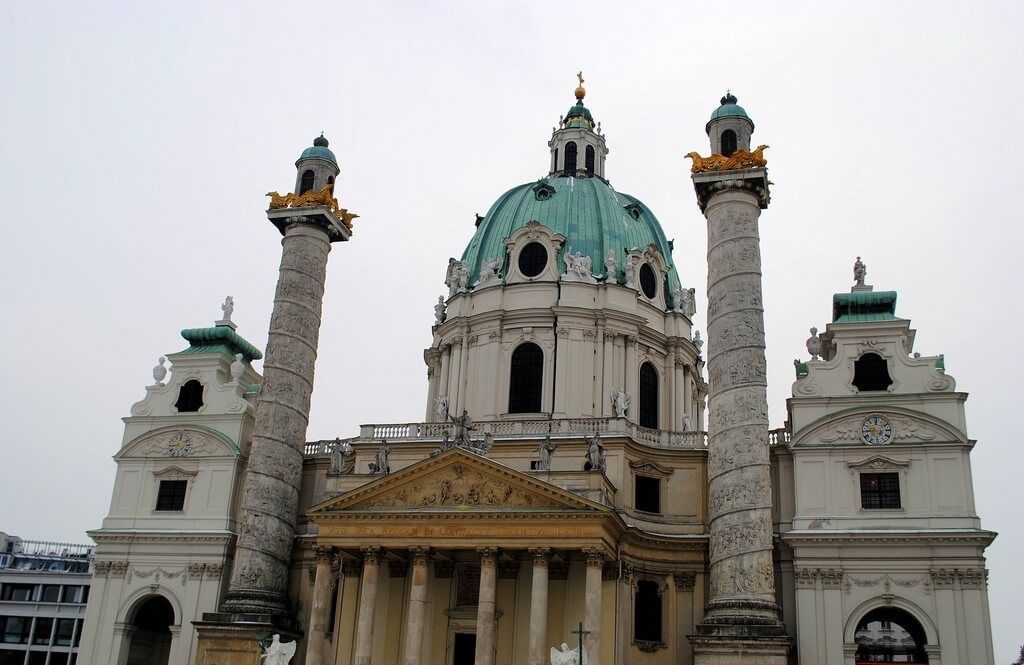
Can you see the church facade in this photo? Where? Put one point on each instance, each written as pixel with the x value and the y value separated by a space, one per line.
pixel 575 484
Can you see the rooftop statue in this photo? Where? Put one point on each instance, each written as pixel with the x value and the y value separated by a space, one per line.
pixel 228 308
pixel 381 466
pixel 860 271
pixel 814 344
pixel 545 451
pixel 611 267
pixel 439 311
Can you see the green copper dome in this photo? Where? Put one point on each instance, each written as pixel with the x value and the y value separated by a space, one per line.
pixel 592 216
pixel 579 116
pixel 319 150
pixel 729 107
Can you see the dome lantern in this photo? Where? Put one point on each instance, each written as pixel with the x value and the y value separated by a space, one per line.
pixel 316 166
pixel 730 127
pixel 577 146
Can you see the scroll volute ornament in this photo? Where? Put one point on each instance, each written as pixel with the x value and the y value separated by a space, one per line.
pixel 741 159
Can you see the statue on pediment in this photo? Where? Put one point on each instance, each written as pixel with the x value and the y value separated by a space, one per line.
pixel 380 466
pixel 545 451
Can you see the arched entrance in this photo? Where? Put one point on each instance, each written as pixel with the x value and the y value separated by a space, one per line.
pixel 150 641
pixel 890 635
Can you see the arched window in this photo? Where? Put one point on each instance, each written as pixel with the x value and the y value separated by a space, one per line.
pixel 150 640
pixel 890 635
pixel 570 156
pixel 190 397
pixel 870 372
pixel 590 158
pixel 648 396
pixel 554 164
pixel 728 143
pixel 648 281
pixel 526 379
pixel 307 181
pixel 647 612
pixel 330 180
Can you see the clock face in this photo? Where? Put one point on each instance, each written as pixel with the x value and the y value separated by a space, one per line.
pixel 179 444
pixel 876 431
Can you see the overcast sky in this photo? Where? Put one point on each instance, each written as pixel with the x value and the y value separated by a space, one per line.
pixel 137 140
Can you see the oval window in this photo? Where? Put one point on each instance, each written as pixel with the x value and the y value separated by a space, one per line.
pixel 648 282
pixel 532 259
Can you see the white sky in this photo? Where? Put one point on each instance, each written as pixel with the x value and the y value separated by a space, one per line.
pixel 137 140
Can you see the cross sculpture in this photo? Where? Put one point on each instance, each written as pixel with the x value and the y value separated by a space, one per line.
pixel 580 633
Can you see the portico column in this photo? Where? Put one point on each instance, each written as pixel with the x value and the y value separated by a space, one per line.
pixel 539 607
pixel 367 606
pixel 417 606
pixel 592 606
pixel 485 606
pixel 680 393
pixel 320 606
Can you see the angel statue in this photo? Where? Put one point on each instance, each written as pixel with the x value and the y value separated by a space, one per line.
pixel 566 656
pixel 620 402
pixel 277 652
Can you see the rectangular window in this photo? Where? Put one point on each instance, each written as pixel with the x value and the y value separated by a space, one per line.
pixel 58 658
pixel 171 495
pixel 647 494
pixel 43 630
pixel 36 658
pixel 880 490
pixel 467 584
pixel 21 592
pixel 71 594
pixel 65 631
pixel 51 593
pixel 15 630
pixel 78 630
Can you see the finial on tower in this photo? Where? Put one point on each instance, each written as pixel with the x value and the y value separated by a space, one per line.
pixel 581 92
pixel 729 98
pixel 321 141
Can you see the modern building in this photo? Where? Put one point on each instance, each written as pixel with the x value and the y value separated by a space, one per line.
pixel 44 587
pixel 575 478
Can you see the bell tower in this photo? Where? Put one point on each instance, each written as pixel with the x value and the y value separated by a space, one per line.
pixel 729 127
pixel 316 166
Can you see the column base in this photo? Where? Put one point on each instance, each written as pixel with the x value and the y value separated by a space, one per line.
pixel 256 601
pixel 740 650
pixel 234 639
pixel 741 632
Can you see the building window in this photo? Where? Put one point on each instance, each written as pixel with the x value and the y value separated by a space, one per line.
pixel 65 631
pixel 590 158
pixel 51 593
pixel 306 183
pixel 570 156
pixel 880 490
pixel 728 143
pixel 648 396
pixel 647 612
pixel 19 592
pixel 554 165
pixel 15 630
pixel 647 494
pixel 171 495
pixel 527 377
pixel 467 585
pixel 190 397
pixel 871 372
pixel 71 594
pixel 890 635
pixel 648 281
pixel 43 630
pixel 330 181
pixel 533 259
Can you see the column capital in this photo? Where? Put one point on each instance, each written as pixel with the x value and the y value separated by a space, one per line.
pixel 323 553
pixel 488 556
pixel 595 556
pixel 371 554
pixel 540 555
pixel 420 555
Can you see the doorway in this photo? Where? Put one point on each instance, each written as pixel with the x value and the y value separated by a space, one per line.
pixel 150 642
pixel 464 649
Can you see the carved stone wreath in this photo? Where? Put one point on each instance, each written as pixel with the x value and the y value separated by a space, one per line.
pixel 649 646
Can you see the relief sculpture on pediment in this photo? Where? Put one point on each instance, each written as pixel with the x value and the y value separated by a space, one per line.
pixel 458 486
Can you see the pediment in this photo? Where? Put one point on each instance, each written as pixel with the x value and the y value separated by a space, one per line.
pixel 907 427
pixel 457 481
pixel 179 442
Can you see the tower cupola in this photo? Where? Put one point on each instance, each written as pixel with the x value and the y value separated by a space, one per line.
pixel 317 166
pixel 577 146
pixel 729 127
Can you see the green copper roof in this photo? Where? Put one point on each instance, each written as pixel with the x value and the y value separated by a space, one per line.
pixel 729 107
pixel 319 150
pixel 219 339
pixel 861 306
pixel 579 116
pixel 592 216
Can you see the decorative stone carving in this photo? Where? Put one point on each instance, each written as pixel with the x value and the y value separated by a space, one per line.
pixel 228 308
pixel 380 465
pixel 159 371
pixel 457 278
pixel 439 311
pixel 237 368
pixel 457 486
pixel 620 402
pixel 277 652
pixel 685 581
pixel 341 454
pixel 463 426
pixel 567 656
pixel 595 453
pixel 903 429
pixel 887 582
pixel 814 344
pixel 860 271
pixel 545 451
pixel 629 270
pixel 577 268
pixel 214 570
pixel 441 408
pixel 697 341
pixel 489 271
pixel 611 268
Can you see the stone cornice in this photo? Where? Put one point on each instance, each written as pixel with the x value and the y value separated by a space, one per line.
pixel 922 537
